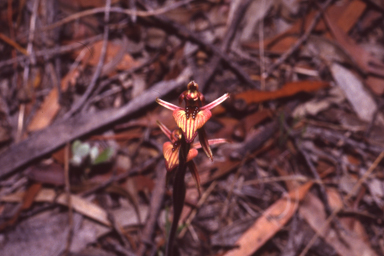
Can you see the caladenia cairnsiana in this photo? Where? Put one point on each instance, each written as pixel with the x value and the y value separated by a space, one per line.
pixel 181 150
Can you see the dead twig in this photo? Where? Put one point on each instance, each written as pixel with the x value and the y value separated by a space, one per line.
pixel 121 177
pixel 94 11
pixel 51 52
pixel 106 82
pixel 201 201
pixel 298 43
pixel 32 27
pixel 155 207
pixel 211 67
pixel 53 137
pixel 334 137
pixel 182 31
pixel 69 201
pixel 14 44
pixel 339 208
pixel 99 66
pixel 315 174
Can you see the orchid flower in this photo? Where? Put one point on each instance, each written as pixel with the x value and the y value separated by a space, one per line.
pixel 180 151
pixel 192 118
pixel 171 151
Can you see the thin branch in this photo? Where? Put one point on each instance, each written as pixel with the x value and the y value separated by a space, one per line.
pixel 51 52
pixel 13 44
pixel 82 14
pixel 32 27
pixel 45 141
pixel 298 43
pixel 99 66
pixel 121 177
pixel 201 201
pixel 69 201
pixel 182 31
pixel 155 207
pixel 339 208
pixel 211 67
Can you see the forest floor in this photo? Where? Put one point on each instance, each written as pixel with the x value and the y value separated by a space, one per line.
pixel 82 170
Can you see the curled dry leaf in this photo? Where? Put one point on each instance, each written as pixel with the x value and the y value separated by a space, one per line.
pixel 79 204
pixel 273 219
pixel 345 243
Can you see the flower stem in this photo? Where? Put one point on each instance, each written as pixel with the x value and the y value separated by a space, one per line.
pixel 178 194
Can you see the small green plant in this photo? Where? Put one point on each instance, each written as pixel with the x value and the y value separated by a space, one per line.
pixel 82 150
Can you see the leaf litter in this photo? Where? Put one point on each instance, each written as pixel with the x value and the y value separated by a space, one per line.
pixel 302 172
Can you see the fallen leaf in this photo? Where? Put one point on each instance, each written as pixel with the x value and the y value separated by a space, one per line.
pixel 50 106
pixel 315 106
pixel 27 200
pixel 283 45
pixel 353 88
pixel 362 58
pixel 47 111
pixel 287 90
pixel 272 220
pixel 348 18
pixel 345 243
pixel 116 56
pixel 255 12
pixel 376 84
pixel 79 204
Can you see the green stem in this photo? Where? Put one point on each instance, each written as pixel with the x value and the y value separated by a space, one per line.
pixel 178 194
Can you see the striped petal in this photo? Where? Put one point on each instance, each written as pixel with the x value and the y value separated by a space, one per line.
pixel 215 102
pixel 190 125
pixel 172 156
pixel 164 129
pixel 166 104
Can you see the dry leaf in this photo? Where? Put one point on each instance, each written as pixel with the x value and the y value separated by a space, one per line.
pixel 364 59
pixel 315 106
pixel 349 244
pixel 79 204
pixel 287 90
pixel 272 220
pixel 256 11
pixel 353 88
pixel 348 18
pixel 376 84
pixel 50 106
pixel 116 55
pixel 46 112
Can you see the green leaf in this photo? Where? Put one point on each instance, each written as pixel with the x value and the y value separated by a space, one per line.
pixel 94 153
pixel 104 156
pixel 79 152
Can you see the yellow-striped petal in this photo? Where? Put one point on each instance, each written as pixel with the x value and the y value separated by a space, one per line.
pixel 171 156
pixel 192 123
pixel 216 102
